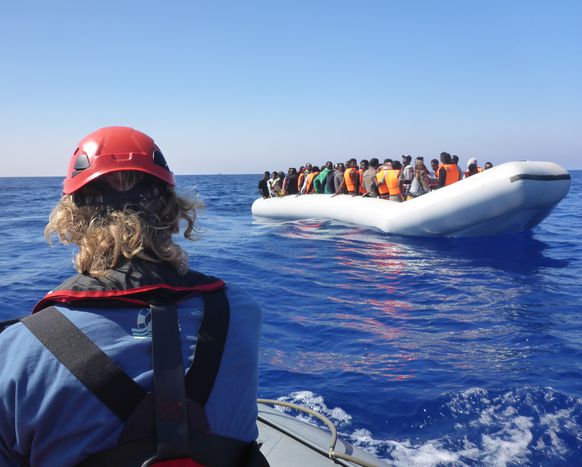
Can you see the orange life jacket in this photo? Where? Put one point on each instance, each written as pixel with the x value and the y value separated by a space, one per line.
pixel 363 190
pixel 453 174
pixel 309 186
pixel 393 182
pixel 380 182
pixel 300 181
pixel 350 185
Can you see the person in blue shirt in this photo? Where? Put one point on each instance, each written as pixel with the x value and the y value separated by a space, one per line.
pixel 76 377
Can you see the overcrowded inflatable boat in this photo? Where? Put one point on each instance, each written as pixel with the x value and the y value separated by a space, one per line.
pixel 508 198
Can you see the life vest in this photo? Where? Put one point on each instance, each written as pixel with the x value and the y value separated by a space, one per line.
pixel 178 435
pixel 348 177
pixel 453 173
pixel 393 182
pixel 363 190
pixel 309 185
pixel 381 182
pixel 300 181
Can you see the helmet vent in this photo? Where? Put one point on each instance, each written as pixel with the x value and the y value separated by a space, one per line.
pixel 160 160
pixel 82 162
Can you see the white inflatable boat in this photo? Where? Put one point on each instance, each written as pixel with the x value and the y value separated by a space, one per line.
pixel 509 198
pixel 289 442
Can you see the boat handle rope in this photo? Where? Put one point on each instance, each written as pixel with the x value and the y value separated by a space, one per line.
pixel 332 454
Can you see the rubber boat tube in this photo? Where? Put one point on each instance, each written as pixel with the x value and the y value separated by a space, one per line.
pixel 289 442
pixel 508 198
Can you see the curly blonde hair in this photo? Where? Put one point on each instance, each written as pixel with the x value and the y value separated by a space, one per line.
pixel 107 234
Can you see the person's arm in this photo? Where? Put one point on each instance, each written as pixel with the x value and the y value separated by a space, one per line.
pixel 442 177
pixel 355 180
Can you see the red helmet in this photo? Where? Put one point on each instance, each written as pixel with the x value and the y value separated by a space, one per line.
pixel 115 149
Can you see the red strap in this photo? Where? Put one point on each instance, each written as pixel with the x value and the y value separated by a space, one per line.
pixel 130 296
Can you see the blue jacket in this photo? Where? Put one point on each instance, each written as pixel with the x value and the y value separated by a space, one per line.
pixel 48 418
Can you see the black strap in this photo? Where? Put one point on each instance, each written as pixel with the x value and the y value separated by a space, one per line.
pixel 169 391
pixel 8 322
pixel 209 450
pixel 87 362
pixel 209 347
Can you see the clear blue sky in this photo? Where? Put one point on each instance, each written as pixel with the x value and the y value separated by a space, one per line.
pixel 247 86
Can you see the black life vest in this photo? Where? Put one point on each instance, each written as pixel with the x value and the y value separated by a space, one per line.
pixel 169 426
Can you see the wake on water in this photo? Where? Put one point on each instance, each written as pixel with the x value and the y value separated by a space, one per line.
pixel 490 428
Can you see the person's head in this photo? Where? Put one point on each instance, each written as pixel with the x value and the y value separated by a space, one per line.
pixel 308 166
pixel 419 164
pixel 434 164
pixel 472 169
pixel 302 169
pixel 275 175
pixel 419 158
pixel 329 165
pixel 281 175
pixel 446 158
pixel 487 165
pixel 340 166
pixel 266 175
pixel 292 171
pixel 472 160
pixel 364 164
pixel 374 162
pixel 396 165
pixel 455 159
pixel 353 163
pixel 406 160
pixel 119 203
pixel 387 161
pixel 315 169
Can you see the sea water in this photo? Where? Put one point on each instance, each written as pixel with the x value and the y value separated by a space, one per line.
pixel 422 351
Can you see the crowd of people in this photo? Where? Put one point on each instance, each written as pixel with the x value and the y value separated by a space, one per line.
pixel 394 180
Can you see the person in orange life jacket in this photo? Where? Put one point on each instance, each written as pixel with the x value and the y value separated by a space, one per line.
pixel 364 164
pixel 306 172
pixel 76 376
pixel 394 183
pixel 471 170
pixel 487 166
pixel 369 178
pixel 434 165
pixel 433 177
pixel 455 159
pixel 383 191
pixel 472 161
pixel 351 177
pixel 300 177
pixel 448 172
pixel 309 188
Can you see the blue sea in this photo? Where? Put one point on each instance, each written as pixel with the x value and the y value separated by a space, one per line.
pixel 423 351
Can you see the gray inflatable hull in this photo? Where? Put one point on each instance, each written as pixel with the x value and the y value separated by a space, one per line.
pixel 288 442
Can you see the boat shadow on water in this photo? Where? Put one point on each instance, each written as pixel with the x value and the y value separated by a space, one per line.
pixel 520 253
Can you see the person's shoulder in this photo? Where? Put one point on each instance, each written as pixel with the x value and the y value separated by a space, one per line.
pixel 242 305
pixel 236 293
